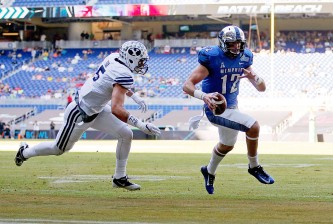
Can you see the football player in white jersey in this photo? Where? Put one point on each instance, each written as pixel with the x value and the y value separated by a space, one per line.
pixel 91 109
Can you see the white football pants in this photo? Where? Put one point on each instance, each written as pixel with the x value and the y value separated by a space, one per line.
pixel 73 128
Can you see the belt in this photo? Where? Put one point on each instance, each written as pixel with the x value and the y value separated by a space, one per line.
pixel 85 117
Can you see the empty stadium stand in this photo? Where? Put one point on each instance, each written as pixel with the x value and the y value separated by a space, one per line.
pixel 304 76
pixel 301 75
pixel 177 120
pixel 57 116
pixel 16 115
pixel 13 60
pixel 323 121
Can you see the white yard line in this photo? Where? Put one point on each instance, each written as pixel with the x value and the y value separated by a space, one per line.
pixel 34 221
pixel 187 146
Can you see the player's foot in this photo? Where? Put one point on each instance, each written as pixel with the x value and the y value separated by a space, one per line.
pixel 19 159
pixel 124 183
pixel 259 173
pixel 209 180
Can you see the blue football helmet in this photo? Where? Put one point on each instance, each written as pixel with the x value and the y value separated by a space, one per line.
pixel 228 36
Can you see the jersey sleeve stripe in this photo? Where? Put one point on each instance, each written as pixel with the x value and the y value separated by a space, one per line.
pixel 126 82
pixel 124 79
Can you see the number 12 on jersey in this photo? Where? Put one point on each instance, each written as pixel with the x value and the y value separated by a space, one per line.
pixel 234 79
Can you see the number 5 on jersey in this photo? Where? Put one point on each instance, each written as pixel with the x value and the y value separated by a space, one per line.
pixel 99 72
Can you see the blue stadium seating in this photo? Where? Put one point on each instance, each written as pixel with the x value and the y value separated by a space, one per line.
pixel 293 75
pixel 10 64
pixel 112 2
pixel 306 74
pixel 46 3
pixel 34 86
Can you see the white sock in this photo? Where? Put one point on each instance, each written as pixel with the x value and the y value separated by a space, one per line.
pixel 41 149
pixel 253 161
pixel 120 168
pixel 215 161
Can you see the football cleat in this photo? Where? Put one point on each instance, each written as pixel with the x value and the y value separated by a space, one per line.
pixel 209 180
pixel 259 173
pixel 124 183
pixel 19 159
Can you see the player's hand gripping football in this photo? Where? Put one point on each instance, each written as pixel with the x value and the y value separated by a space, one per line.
pixel 209 99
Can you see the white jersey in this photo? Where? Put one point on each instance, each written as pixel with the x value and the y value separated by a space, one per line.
pixel 97 90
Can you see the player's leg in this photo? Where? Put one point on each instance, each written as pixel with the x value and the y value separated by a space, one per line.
pixel 238 121
pixel 69 133
pixel 245 123
pixel 252 136
pixel 227 139
pixel 110 124
pixel 255 169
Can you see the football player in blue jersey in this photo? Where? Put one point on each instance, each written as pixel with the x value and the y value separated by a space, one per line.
pixel 221 69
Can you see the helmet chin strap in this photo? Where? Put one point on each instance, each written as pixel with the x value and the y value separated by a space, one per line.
pixel 232 55
pixel 141 71
pixel 232 52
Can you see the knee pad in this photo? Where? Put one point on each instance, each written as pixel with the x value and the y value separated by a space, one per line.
pixel 125 133
pixel 223 149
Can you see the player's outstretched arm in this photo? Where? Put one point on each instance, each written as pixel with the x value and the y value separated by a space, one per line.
pixel 147 128
pixel 117 108
pixel 255 79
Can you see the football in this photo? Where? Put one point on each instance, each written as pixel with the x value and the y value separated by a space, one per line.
pixel 221 104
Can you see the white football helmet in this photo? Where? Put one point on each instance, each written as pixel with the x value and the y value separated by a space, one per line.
pixel 228 36
pixel 135 56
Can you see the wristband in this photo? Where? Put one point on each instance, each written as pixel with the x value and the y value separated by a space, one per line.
pixel 135 122
pixel 258 80
pixel 135 97
pixel 199 94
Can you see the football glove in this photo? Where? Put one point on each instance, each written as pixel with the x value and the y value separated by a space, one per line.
pixel 151 129
pixel 142 104
pixel 147 128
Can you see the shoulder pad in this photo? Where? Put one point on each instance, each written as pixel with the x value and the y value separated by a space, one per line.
pixel 248 52
pixel 206 53
pixel 247 57
pixel 120 74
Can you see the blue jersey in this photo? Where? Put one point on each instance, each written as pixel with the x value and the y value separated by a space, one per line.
pixel 224 72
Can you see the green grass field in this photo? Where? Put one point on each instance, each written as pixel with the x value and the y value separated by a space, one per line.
pixel 76 188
